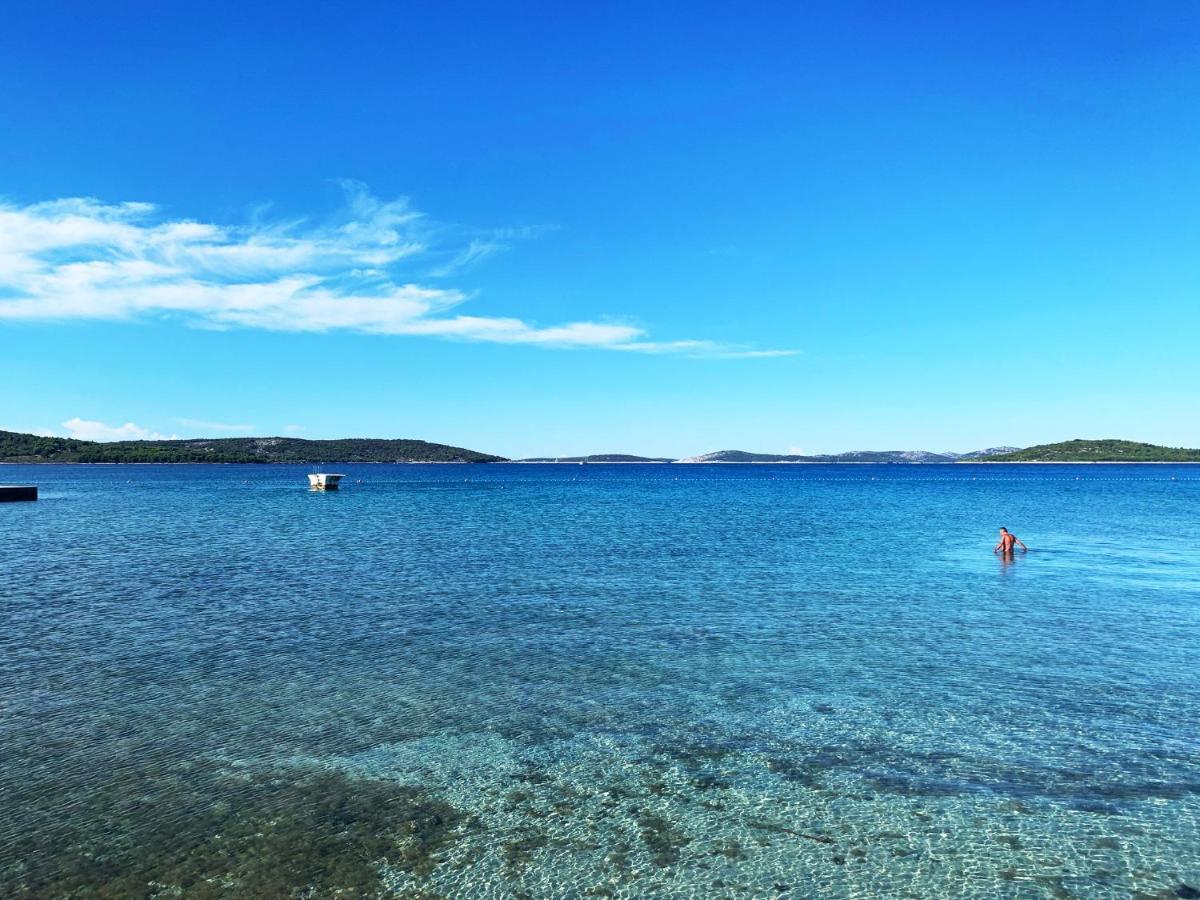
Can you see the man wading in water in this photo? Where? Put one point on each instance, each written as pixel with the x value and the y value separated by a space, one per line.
pixel 1007 539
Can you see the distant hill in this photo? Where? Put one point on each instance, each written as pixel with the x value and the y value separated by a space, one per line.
pixel 30 448
pixel 1108 450
pixel 598 458
pixel 982 454
pixel 887 456
pixel 852 456
pixel 740 456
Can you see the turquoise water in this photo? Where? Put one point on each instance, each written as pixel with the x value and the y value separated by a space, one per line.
pixel 616 681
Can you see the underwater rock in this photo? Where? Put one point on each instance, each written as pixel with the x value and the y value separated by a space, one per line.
pixel 517 851
pixel 661 838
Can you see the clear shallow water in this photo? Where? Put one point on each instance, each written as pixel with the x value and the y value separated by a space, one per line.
pixel 562 681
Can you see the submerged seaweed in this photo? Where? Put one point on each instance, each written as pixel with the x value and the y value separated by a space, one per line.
pixel 278 834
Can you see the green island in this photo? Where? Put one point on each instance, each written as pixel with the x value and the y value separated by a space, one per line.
pixel 1107 450
pixel 32 448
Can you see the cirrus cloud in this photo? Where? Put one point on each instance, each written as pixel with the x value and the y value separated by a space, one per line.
pixel 80 258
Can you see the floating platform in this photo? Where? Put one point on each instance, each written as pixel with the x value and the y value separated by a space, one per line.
pixel 17 492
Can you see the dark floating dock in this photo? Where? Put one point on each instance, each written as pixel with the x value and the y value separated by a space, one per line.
pixel 17 492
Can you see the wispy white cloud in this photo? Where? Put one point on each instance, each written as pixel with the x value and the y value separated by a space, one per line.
pixel 83 259
pixel 215 426
pixel 733 353
pixel 293 429
pixel 702 349
pixel 475 252
pixel 86 430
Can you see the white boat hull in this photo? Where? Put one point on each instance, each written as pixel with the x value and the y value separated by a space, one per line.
pixel 324 481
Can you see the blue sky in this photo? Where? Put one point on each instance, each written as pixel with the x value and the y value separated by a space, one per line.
pixel 557 228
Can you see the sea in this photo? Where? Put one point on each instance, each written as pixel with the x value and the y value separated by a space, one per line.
pixel 536 681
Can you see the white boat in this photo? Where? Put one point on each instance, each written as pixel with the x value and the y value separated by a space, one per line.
pixel 324 481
